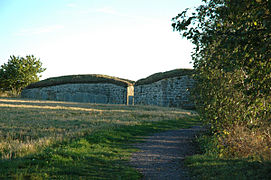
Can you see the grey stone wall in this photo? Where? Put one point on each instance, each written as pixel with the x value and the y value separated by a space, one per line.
pixel 170 92
pixel 92 93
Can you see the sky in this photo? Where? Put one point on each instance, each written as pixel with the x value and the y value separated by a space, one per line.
pixel 129 39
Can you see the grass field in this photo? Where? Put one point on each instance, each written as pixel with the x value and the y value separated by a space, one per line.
pixel 47 139
pixel 62 140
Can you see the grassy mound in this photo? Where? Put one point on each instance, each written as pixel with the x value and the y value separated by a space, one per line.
pixel 163 75
pixel 76 79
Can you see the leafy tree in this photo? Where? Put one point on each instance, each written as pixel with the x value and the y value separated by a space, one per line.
pixel 232 59
pixel 19 72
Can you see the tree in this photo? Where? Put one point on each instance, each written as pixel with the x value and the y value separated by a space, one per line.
pixel 232 59
pixel 19 72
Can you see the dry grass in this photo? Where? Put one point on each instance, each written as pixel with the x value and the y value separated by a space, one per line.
pixel 26 126
pixel 241 141
pixel 7 94
pixel 83 78
pixel 163 75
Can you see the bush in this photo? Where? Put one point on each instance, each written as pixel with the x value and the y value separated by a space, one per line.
pixel 232 70
pixel 242 141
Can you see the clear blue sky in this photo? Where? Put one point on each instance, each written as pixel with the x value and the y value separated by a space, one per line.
pixel 125 38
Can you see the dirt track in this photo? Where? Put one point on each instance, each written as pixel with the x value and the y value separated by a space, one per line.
pixel 161 155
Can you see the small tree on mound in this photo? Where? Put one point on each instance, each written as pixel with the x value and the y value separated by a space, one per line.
pixel 19 72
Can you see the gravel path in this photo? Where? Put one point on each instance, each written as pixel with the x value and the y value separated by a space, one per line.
pixel 161 155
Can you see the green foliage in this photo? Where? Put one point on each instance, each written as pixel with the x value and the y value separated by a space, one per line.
pixel 232 59
pixel 19 72
pixel 163 75
pixel 75 79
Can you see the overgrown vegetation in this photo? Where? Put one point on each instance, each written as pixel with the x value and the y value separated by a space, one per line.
pixel 210 162
pixel 18 73
pixel 163 75
pixel 7 94
pixel 75 79
pixel 60 140
pixel 232 61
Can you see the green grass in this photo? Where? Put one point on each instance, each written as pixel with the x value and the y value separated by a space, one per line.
pixel 101 155
pixel 26 126
pixel 209 165
pixel 61 140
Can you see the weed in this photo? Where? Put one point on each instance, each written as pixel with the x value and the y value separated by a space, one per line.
pixel 216 159
pixel 241 141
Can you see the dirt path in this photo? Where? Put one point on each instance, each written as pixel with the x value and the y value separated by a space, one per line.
pixel 162 154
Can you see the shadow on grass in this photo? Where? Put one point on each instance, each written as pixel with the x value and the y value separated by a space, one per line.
pixel 100 155
pixel 206 167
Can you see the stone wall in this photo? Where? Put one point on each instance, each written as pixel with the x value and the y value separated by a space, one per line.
pixel 105 93
pixel 169 92
pixel 170 89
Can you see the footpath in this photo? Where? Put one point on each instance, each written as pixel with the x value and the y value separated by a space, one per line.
pixel 161 155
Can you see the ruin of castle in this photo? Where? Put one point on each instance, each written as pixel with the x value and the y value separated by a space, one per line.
pixel 169 89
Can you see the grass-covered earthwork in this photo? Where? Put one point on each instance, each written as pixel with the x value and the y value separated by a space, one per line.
pixel 84 78
pixel 164 75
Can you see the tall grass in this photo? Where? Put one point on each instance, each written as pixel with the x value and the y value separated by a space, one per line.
pixel 63 140
pixel 28 126
pixel 8 94
pixel 235 153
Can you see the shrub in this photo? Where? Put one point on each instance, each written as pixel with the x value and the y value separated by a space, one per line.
pixel 242 141
pixel 232 69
